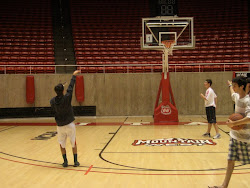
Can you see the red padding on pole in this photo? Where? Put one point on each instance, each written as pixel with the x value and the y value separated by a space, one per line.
pixel 79 89
pixel 166 111
pixel 30 89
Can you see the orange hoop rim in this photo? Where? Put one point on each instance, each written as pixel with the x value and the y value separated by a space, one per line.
pixel 168 43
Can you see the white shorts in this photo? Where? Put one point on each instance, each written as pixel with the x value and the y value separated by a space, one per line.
pixel 67 131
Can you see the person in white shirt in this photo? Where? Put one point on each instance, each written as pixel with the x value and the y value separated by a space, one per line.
pixel 239 146
pixel 210 99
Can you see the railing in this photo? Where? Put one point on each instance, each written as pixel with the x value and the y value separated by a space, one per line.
pixel 127 68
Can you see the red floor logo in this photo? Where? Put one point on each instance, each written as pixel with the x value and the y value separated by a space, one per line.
pixel 173 142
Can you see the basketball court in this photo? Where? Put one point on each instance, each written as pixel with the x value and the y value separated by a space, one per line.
pixel 120 152
pixel 117 152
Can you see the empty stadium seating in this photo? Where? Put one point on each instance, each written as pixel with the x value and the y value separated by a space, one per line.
pixel 26 37
pixel 107 37
pixel 109 31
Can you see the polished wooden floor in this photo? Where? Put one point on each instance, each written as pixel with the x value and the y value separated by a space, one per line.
pixel 30 155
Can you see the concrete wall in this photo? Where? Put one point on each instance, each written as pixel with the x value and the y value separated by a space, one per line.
pixel 122 94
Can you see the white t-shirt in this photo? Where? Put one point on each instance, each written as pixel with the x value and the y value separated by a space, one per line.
pixel 210 95
pixel 242 106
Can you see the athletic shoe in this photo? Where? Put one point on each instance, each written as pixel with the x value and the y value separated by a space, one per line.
pixel 217 136
pixel 65 164
pixel 206 135
pixel 76 164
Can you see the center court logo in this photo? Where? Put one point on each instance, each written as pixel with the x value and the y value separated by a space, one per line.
pixel 173 142
pixel 166 110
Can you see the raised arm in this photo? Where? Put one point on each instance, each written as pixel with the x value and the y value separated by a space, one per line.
pixel 72 82
pixel 230 86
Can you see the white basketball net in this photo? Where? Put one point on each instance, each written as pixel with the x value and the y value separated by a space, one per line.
pixel 168 46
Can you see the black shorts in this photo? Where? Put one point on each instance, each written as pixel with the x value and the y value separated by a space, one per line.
pixel 210 111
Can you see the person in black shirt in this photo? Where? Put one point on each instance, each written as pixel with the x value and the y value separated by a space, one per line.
pixel 64 116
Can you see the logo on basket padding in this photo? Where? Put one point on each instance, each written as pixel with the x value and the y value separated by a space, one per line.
pixel 173 142
pixel 165 110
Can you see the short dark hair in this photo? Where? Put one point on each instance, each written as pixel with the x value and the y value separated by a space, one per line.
pixel 59 89
pixel 241 81
pixel 209 81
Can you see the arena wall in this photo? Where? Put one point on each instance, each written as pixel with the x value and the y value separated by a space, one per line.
pixel 122 94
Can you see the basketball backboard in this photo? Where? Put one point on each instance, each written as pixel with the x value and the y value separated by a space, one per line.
pixel 157 29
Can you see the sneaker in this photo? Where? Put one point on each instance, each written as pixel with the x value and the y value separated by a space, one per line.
pixel 206 135
pixel 65 164
pixel 217 136
pixel 76 164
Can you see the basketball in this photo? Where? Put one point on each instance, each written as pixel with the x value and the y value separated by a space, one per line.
pixel 235 117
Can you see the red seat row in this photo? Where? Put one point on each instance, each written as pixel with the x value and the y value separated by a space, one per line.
pixel 27 70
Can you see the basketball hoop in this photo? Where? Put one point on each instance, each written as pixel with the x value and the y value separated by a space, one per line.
pixel 168 46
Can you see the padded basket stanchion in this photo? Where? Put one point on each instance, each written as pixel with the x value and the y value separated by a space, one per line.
pixel 166 111
pixel 79 88
pixel 30 89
